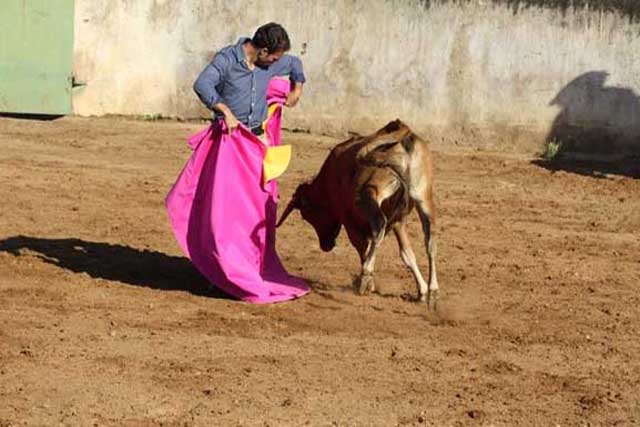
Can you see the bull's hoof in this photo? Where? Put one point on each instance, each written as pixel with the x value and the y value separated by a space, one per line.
pixel 430 299
pixel 365 284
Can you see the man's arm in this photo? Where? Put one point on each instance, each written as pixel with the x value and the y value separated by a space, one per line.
pixel 290 66
pixel 205 88
pixel 294 96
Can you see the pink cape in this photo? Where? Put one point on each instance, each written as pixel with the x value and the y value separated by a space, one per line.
pixel 223 215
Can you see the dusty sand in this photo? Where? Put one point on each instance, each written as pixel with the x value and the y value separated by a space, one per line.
pixel 104 322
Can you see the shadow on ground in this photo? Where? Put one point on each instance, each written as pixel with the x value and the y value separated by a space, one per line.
pixel 115 262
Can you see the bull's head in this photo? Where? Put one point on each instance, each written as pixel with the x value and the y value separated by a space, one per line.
pixel 327 228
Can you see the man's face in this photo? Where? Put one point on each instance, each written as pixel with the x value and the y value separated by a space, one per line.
pixel 265 58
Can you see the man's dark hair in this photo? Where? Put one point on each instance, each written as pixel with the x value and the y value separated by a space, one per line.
pixel 273 37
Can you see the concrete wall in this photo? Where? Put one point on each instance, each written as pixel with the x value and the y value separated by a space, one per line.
pixel 485 73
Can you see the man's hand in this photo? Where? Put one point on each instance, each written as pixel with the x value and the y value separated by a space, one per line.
pixel 229 118
pixel 231 121
pixel 294 96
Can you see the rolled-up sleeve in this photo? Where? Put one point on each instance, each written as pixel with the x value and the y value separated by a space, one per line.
pixel 209 78
pixel 291 66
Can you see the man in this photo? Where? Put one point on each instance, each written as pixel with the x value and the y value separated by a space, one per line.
pixel 234 84
pixel 223 205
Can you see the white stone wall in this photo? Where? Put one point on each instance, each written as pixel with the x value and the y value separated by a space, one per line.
pixel 476 72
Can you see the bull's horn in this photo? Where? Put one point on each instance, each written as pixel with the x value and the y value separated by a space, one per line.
pixel 293 204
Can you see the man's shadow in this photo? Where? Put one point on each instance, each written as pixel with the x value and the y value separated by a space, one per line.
pixel 597 130
pixel 116 263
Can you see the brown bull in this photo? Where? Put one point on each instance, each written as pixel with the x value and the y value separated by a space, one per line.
pixel 370 184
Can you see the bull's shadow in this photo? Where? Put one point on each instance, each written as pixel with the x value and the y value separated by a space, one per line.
pixel 597 130
pixel 116 263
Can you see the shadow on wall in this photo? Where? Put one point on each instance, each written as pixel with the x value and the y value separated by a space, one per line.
pixel 116 262
pixel 597 130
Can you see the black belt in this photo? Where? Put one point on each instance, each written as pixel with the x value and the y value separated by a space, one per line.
pixel 258 130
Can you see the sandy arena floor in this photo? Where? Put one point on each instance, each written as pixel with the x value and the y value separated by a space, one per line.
pixel 103 322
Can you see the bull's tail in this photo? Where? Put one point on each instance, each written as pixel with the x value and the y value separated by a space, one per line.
pixel 403 180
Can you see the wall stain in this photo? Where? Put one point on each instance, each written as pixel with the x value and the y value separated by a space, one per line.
pixel 628 8
pixel 163 13
pixel 458 76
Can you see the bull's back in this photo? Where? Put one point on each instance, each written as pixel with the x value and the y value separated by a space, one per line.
pixel 395 142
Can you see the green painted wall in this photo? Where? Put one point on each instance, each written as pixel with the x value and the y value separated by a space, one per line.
pixel 36 48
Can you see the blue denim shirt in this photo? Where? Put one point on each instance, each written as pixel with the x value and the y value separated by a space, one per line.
pixel 227 79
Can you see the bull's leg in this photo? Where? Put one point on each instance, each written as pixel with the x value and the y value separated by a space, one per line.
pixel 366 282
pixel 378 224
pixel 426 211
pixel 409 258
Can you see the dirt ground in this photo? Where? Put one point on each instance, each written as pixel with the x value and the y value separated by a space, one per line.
pixel 104 322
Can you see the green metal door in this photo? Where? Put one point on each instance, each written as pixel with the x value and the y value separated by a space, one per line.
pixel 36 54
